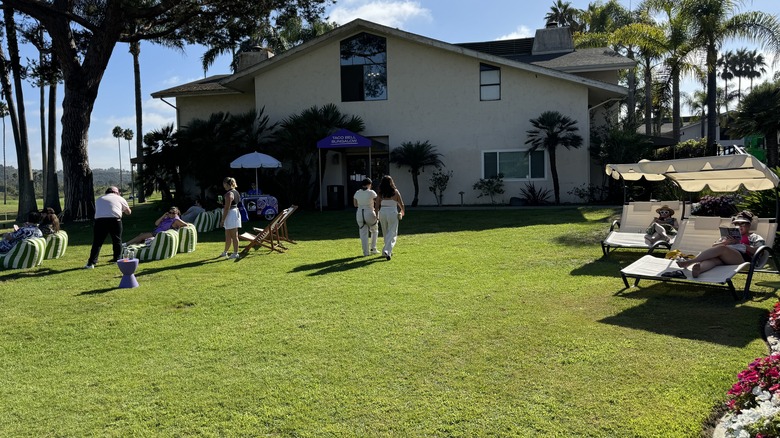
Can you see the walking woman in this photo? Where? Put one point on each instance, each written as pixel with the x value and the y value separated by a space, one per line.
pixel 231 218
pixel 364 200
pixel 391 210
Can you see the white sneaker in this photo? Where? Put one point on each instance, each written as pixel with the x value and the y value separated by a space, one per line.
pixel 374 251
pixel 89 266
pixel 224 254
pixel 234 256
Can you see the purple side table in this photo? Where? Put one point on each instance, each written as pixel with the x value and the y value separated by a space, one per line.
pixel 128 267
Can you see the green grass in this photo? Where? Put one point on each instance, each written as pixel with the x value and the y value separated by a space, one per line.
pixel 504 322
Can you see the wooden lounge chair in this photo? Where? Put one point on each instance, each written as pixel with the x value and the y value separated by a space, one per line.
pixel 695 235
pixel 272 235
pixel 629 230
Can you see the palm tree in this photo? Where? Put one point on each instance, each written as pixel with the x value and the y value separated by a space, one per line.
pixel 127 134
pixel 118 133
pixel 756 66
pixel 553 129
pixel 726 63
pixel 760 113
pixel 564 15
pixel 416 155
pixel 712 23
pixel 3 113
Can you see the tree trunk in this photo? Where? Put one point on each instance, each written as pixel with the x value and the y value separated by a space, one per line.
pixel 42 117
pixel 135 50
pixel 52 197
pixel 76 109
pixel 416 184
pixel 676 120
pixel 554 174
pixel 631 97
pixel 648 97
pixel 712 111
pixel 27 201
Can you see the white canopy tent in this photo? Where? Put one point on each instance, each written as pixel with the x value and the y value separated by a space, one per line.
pixel 723 173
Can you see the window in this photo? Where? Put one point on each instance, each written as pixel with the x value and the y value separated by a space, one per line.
pixel 363 68
pixel 514 164
pixel 489 82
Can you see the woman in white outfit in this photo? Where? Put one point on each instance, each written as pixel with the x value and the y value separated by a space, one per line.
pixel 231 218
pixel 391 210
pixel 366 216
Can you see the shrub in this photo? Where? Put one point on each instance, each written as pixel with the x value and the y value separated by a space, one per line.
pixel 722 206
pixel 533 196
pixel 439 181
pixel 490 186
pixel 590 193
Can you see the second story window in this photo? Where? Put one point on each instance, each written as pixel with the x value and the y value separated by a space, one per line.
pixel 363 68
pixel 489 82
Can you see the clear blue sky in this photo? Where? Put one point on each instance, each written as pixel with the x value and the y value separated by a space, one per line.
pixel 445 20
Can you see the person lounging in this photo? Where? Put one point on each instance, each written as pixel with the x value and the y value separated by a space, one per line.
pixel 727 250
pixel 28 230
pixel 662 228
pixel 169 220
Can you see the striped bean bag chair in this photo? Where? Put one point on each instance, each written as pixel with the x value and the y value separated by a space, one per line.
pixel 188 238
pixel 26 254
pixel 204 222
pixel 164 246
pixel 56 244
pixel 217 215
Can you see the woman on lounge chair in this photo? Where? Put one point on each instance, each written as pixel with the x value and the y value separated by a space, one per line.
pixel 728 250
pixel 28 230
pixel 169 220
pixel 662 227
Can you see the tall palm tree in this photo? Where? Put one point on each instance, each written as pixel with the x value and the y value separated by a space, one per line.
pixel 712 23
pixel 3 114
pixel 127 134
pixel 118 133
pixel 698 105
pixel 551 130
pixel 759 112
pixel 416 156
pixel 726 64
pixel 739 69
pixel 756 66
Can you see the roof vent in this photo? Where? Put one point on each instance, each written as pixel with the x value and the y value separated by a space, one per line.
pixel 252 56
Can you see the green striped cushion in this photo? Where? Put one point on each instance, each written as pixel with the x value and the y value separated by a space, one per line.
pixel 188 238
pixel 204 222
pixel 217 216
pixel 56 244
pixel 26 254
pixel 164 246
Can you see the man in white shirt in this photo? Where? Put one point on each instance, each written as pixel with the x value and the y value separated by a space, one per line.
pixel 108 222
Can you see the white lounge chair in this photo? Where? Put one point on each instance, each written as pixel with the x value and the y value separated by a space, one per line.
pixel 695 235
pixel 629 230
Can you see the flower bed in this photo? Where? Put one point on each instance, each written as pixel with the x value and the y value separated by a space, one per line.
pixel 754 401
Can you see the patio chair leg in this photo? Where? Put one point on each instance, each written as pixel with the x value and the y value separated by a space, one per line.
pixel 625 280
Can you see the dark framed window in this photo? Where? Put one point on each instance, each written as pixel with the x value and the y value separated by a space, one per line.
pixel 515 164
pixel 363 68
pixel 489 82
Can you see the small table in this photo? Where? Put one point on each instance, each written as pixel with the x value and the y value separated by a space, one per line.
pixel 128 267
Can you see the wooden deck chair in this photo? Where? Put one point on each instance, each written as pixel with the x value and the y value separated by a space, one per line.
pixel 56 244
pixel 629 230
pixel 26 254
pixel 695 235
pixel 270 236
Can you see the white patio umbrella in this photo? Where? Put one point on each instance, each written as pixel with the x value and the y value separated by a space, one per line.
pixel 255 160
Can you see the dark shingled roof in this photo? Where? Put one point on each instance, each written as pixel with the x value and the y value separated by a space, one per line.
pixel 520 50
pixel 209 85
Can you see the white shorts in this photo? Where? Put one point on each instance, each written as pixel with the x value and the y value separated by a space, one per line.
pixel 233 219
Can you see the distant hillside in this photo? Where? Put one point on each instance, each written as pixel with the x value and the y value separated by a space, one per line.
pixel 101 178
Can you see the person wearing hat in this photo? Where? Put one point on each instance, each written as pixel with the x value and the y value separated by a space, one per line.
pixel 662 227
pixel 108 222
pixel 727 250
pixel 366 216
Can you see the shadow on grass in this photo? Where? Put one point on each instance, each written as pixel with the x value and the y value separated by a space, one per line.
pixel 610 265
pixel 701 314
pixel 338 265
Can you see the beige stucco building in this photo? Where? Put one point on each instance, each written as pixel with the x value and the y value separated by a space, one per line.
pixel 472 101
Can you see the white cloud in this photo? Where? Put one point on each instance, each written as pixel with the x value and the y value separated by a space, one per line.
pixel 520 32
pixel 388 13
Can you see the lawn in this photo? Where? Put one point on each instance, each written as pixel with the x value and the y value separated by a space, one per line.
pixel 504 322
